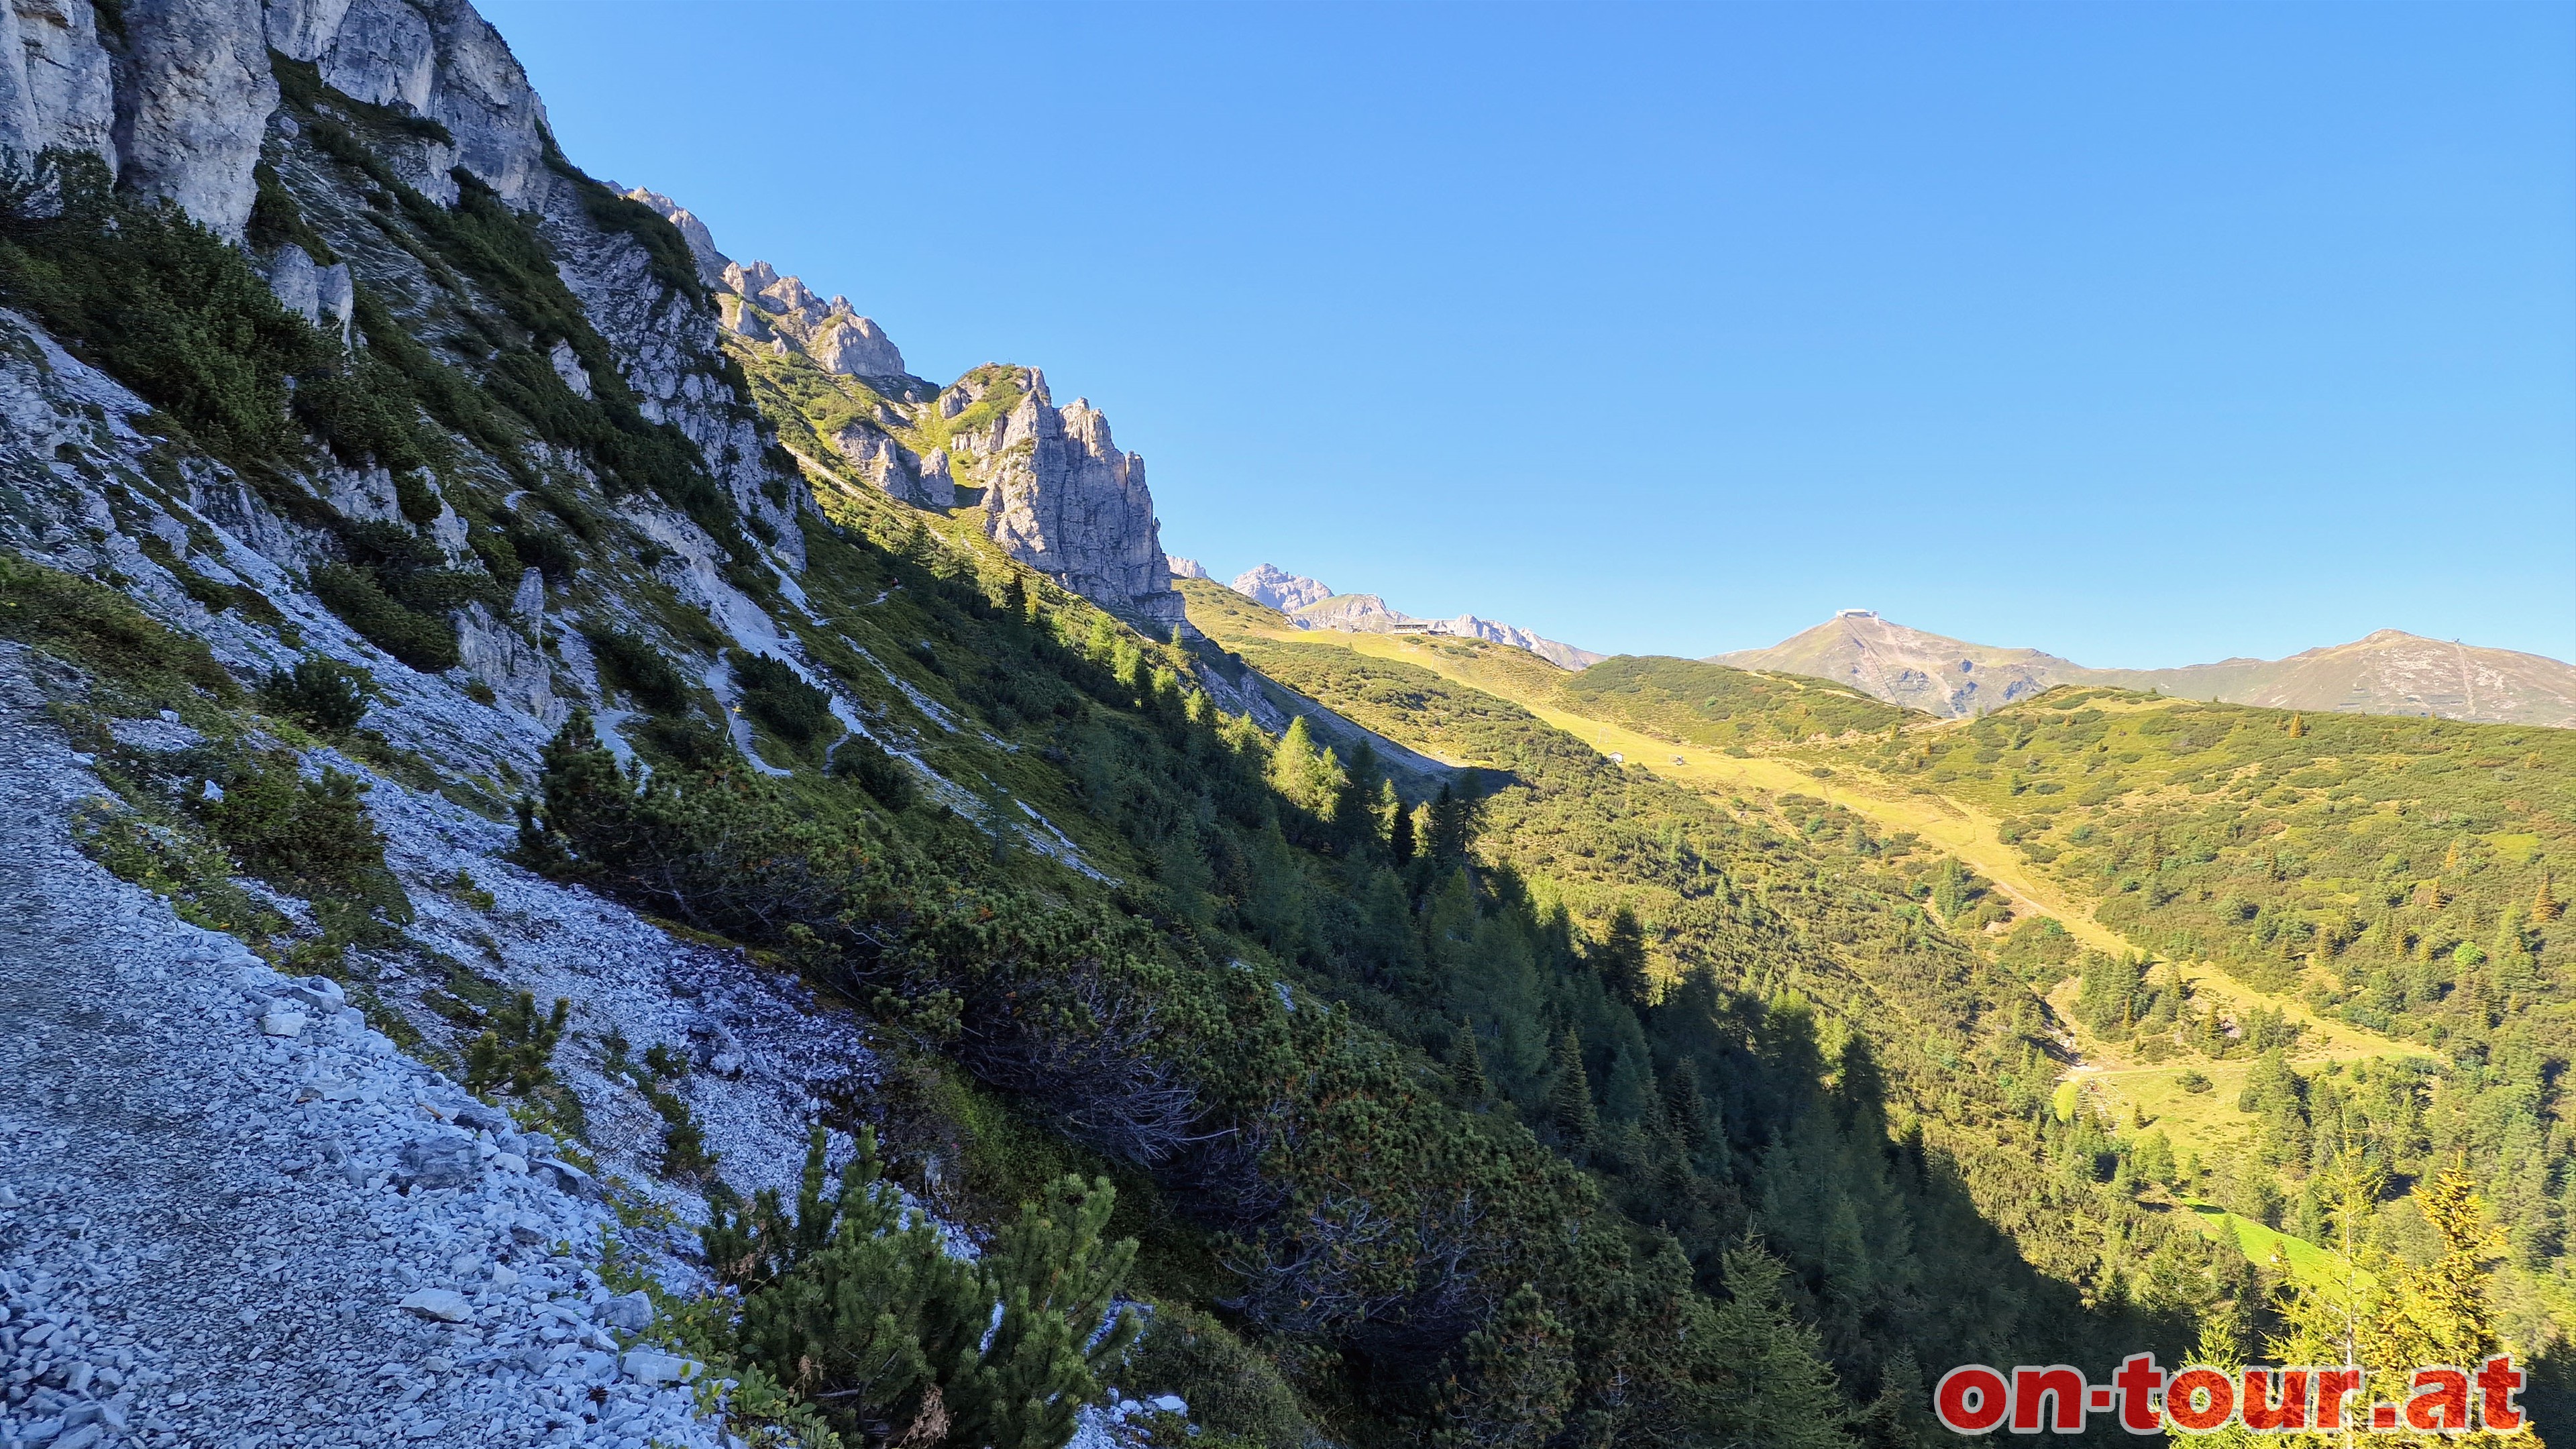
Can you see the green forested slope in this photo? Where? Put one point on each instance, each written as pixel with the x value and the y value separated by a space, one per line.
pixel 1796 906
pixel 2394 873
pixel 2279 850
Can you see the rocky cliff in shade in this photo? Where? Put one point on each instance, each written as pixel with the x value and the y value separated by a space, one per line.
pixel 2389 672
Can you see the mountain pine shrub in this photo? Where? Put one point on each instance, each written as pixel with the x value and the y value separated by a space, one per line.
pixel 853 1301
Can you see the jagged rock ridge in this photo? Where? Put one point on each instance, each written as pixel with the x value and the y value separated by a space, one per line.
pixel 2388 672
pixel 1312 604
pixel 1053 488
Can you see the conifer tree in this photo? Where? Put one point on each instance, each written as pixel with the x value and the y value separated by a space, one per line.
pixel 1768 1381
pixel 1056 1278
pixel 1514 1383
pixel 1467 1068
pixel 1569 1095
pixel 1620 958
pixel 1354 817
pixel 2389 1317
pixel 1399 842
pixel 1686 1108
pixel 2544 905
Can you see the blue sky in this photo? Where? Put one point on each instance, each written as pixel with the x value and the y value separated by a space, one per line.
pixel 2142 334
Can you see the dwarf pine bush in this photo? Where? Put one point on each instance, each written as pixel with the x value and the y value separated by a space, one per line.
pixel 852 1301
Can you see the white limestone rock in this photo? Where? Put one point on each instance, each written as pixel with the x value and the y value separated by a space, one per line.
pixel 854 347
pixel 503 659
pixel 1062 498
pixel 567 365
pixel 702 243
pixel 761 304
pixel 56 85
pixel 313 292
pixel 193 97
pixel 1184 568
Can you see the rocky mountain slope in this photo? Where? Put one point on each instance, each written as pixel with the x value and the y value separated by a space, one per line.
pixel 2388 672
pixel 436 586
pixel 1312 604
pixel 1906 666
pixel 395 416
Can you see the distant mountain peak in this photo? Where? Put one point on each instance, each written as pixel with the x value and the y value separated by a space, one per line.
pixel 2387 671
pixel 1272 585
pixel 1310 604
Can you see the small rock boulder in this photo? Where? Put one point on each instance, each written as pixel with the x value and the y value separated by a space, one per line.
pixel 475 1117
pixel 632 1312
pixel 446 1160
pixel 565 1177
pixel 282 1020
pixel 319 992
pixel 443 1305
pixel 660 1368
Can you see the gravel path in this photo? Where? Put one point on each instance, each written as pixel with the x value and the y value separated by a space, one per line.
pixel 219 1189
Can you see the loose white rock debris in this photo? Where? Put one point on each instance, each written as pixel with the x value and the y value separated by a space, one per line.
pixel 218 1231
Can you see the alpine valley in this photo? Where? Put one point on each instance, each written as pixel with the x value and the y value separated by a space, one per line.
pixel 592 860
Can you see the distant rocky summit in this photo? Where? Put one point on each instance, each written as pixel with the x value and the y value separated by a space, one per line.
pixel 2388 672
pixel 1311 604
pixel 1269 584
pixel 1184 568
pixel 1929 672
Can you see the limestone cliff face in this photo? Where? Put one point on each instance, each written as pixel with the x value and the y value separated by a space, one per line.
pixel 185 99
pixel 180 105
pixel 1063 499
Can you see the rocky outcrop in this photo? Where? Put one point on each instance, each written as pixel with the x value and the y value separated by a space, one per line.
pixel 193 98
pixel 1269 584
pixel 315 293
pixel 760 304
pixel 1184 568
pixel 702 243
pixel 921 482
pixel 57 87
pixel 1056 491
